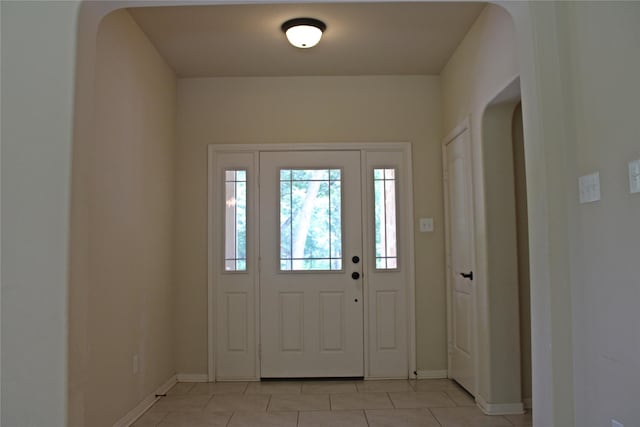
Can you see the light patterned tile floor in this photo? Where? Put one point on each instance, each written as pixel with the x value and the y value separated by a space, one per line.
pixel 397 403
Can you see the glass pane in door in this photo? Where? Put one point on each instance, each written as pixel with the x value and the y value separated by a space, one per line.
pixel 384 184
pixel 235 220
pixel 310 219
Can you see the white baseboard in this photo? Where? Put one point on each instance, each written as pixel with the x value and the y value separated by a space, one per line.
pixel 231 379
pixel 499 408
pixel 146 403
pixel 528 404
pixel 193 378
pixel 432 375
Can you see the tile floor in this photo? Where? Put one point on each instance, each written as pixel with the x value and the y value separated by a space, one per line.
pixel 402 403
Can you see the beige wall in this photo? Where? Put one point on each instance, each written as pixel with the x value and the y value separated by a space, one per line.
pixel 483 65
pixel 600 70
pixel 498 301
pixel 130 205
pixel 522 224
pixel 309 109
pixel 547 153
pixel 38 55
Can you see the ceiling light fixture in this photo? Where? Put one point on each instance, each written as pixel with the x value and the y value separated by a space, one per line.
pixel 304 32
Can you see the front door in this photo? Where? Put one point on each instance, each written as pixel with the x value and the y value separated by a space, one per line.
pixel 311 306
pixel 461 238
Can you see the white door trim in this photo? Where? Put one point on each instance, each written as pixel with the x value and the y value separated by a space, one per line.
pixel 464 126
pixel 213 267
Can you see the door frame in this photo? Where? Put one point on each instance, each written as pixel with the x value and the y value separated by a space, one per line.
pixel 464 126
pixel 213 267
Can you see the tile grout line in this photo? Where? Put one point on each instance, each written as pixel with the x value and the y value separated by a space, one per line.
pixel 366 418
pixel 393 405
pixel 268 403
pixel 508 420
pixel 209 400
pixel 229 420
pixel 434 416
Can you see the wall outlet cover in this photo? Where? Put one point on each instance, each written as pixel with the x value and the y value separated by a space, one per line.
pixel 426 225
pixel 589 188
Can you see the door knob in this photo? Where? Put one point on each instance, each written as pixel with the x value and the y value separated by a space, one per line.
pixel 355 259
pixel 355 275
pixel 468 275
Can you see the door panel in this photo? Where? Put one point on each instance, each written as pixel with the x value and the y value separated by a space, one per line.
pixel 310 228
pixel 291 311
pixel 461 241
pixel 386 320
pixel 332 321
pixel 237 316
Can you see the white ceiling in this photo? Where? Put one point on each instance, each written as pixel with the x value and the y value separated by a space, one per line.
pixel 361 38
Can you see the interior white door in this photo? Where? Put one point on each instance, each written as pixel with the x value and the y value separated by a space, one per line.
pixel 311 307
pixel 461 246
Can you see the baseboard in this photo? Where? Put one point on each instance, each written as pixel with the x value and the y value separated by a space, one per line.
pixel 236 379
pixel 193 378
pixel 432 375
pixel 146 403
pixel 528 404
pixel 499 408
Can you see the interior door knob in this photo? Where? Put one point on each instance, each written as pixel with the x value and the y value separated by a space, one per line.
pixel 355 275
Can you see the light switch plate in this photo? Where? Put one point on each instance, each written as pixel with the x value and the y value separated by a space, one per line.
pixel 634 176
pixel 589 188
pixel 426 225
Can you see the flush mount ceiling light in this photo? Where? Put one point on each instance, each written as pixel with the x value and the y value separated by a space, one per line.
pixel 304 32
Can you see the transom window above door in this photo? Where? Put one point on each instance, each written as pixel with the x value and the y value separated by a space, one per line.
pixel 310 219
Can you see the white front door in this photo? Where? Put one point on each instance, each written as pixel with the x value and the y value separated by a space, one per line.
pixel 311 296
pixel 461 245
